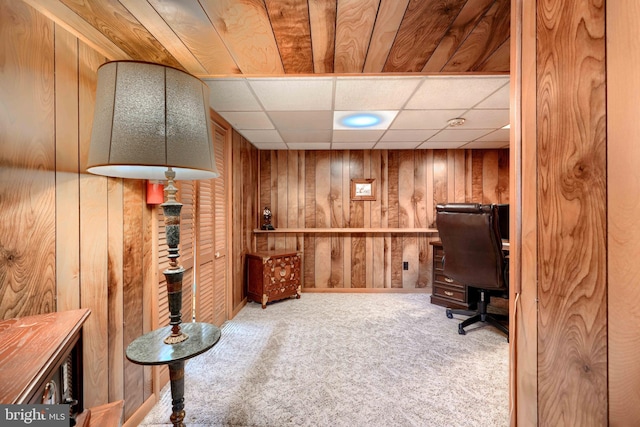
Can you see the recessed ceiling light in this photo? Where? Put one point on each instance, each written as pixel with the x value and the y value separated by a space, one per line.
pixel 354 120
pixel 361 120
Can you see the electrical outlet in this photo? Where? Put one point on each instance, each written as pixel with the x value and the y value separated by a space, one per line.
pixel 405 265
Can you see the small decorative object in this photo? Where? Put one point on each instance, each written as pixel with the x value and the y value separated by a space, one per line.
pixel 266 215
pixel 363 189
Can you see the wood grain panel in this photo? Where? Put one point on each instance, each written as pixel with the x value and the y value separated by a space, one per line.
pixel 523 262
pixel 425 24
pixel 323 219
pixel 27 175
pixel 337 218
pixel 490 177
pixel 158 26
pixel 499 59
pixel 76 25
pixel 292 36
pixel 623 192
pixel 120 26
pixel 246 31
pixel 292 199
pixel 489 35
pixel 357 242
pixel 390 14
pixel 115 288
pixel 354 25
pixel 461 27
pixel 322 18
pixel 67 180
pixel 440 183
pixel 309 206
pixel 292 30
pixel 132 271
pixel 572 282
pixel 93 244
pixel 205 50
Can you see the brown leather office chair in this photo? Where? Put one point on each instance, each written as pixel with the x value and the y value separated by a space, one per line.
pixel 473 256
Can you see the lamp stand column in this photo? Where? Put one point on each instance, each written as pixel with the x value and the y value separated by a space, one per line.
pixel 176 376
pixel 171 209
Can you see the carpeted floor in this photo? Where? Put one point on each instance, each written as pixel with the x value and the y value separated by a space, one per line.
pixel 346 360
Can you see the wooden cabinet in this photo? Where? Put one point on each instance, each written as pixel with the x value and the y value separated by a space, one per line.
pixel 273 275
pixel 33 351
pixel 446 291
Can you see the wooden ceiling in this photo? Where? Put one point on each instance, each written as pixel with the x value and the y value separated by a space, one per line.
pixel 293 37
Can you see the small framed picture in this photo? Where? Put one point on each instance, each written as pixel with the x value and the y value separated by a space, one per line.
pixel 363 189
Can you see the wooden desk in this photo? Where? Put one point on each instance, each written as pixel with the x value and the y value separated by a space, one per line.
pixel 447 292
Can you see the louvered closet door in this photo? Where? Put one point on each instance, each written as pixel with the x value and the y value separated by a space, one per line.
pixel 211 250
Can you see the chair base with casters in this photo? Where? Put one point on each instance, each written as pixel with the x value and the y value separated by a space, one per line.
pixel 481 315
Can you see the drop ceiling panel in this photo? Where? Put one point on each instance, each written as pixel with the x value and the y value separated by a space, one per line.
pixel 357 135
pixel 485 119
pixel 302 120
pixel 397 145
pixel 352 145
pixel 501 135
pixel 231 95
pixel 454 92
pixel 424 119
pixel 248 120
pixel 261 135
pixel 408 135
pixel 458 135
pixel 374 93
pixel 440 145
pixel 484 144
pixel 270 145
pixel 310 146
pixel 300 110
pixel 498 99
pixel 308 135
pixel 294 94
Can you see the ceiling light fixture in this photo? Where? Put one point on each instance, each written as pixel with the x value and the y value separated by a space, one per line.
pixel 361 120
pixel 458 121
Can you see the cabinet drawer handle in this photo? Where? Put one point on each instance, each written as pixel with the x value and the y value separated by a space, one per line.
pixel 448 293
pixel 446 279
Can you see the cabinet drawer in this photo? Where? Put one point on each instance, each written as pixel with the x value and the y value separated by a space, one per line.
pixel 453 294
pixel 441 278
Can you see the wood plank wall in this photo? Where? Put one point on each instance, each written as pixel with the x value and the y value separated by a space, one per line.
pixel 311 189
pixel 572 225
pixel 244 161
pixel 68 239
pixel 623 191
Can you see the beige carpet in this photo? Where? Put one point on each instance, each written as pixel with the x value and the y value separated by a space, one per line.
pixel 346 360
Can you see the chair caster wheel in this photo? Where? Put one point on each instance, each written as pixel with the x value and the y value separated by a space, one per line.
pixel 449 314
pixel 461 331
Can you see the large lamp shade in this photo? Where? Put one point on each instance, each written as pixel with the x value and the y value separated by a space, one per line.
pixel 150 117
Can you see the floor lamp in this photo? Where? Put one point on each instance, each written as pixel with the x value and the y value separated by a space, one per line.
pixel 152 122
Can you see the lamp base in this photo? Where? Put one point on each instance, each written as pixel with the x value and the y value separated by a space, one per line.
pixel 175 339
